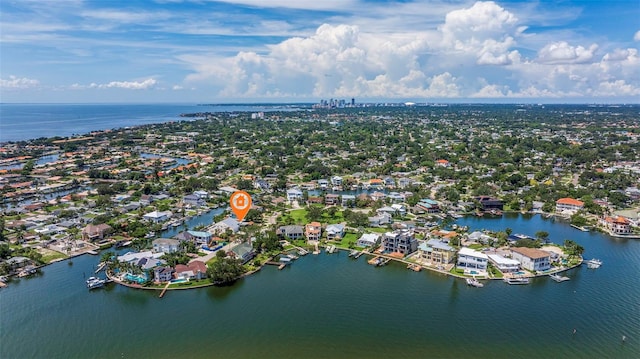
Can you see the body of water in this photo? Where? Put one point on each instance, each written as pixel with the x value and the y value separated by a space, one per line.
pixel 27 121
pixel 331 306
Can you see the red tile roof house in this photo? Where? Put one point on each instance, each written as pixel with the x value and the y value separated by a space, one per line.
pixel 93 232
pixel 568 205
pixel 193 270
pixel 618 225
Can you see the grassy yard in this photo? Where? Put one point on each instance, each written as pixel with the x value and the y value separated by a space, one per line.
pixel 476 246
pixel 49 255
pixel 349 239
pixel 299 216
pixel 377 230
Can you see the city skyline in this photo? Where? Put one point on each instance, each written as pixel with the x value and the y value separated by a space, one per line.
pixel 304 51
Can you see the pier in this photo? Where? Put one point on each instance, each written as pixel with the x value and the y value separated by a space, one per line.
pixel 164 290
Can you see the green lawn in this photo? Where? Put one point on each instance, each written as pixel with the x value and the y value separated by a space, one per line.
pixel 377 230
pixel 349 239
pixel 476 246
pixel 52 255
pixel 299 216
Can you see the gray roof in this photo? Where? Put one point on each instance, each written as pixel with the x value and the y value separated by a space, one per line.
pixel 438 244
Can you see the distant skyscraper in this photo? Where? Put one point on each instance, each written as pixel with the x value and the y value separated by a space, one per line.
pixel 353 101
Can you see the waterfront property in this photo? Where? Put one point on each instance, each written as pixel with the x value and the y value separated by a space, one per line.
pixel 436 252
pixel 165 245
pixel 194 270
pixel 472 261
pixel 568 206
pixel 368 240
pixel 531 258
pixel 335 231
pixel 504 265
pixel 617 225
pixel 313 231
pixel 399 241
pixel 290 232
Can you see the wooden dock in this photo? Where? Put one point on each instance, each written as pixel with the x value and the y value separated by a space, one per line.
pixel 164 290
pixel 280 265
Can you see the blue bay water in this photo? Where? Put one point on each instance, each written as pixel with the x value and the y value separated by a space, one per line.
pixel 28 121
pixel 331 306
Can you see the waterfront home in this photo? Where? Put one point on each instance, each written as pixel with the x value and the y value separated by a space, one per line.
pixel 380 220
pixel 399 241
pixel 480 237
pixel 162 274
pixel 194 270
pixel 201 194
pixel 488 203
pixel 617 225
pixel 17 263
pixel 368 240
pixel 472 261
pixel 148 263
pixel 336 181
pixel 400 209
pixel 166 245
pixel 323 184
pixel 315 200
pixel 348 200
pixel 230 224
pixel 396 197
pixel 95 232
pixel 428 205
pixel 200 237
pixel 331 199
pixel 132 257
pixel 504 265
pixel 335 231
pixel 386 209
pixel 290 232
pixel 568 206
pixel 294 194
pixel 436 252
pixel 243 251
pixel 313 231
pixel 377 196
pixel 193 200
pixel 531 258
pixel 157 216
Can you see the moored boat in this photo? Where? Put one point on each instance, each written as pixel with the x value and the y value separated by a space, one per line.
pixel 594 263
pixel 474 283
pixel 558 278
pixel 517 280
pixel 94 282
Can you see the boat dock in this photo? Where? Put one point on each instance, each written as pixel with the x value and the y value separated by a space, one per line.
pixel 278 264
pixel 164 290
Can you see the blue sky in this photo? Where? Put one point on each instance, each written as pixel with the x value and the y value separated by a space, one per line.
pixel 298 50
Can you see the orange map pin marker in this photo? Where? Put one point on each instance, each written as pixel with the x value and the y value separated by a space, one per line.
pixel 240 202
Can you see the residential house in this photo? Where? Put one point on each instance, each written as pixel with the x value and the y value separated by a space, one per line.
pixel 348 200
pixel 377 196
pixel 472 261
pixel 243 251
pixel 428 205
pixel 531 258
pixel 336 181
pixel 568 206
pixel 504 265
pixel 618 225
pixel 226 224
pixel 166 245
pixel 315 200
pixel 480 237
pixel 133 257
pixel 294 194
pixel 95 232
pixel 436 252
pixel 331 199
pixel 400 241
pixel 193 200
pixel 194 270
pixel 323 184
pixel 200 237
pixel 335 231
pixel 17 263
pixel 400 209
pixel 488 203
pixel 380 220
pixel 313 231
pixel 396 197
pixel 158 216
pixel 404 182
pixel 368 240
pixel 202 194
pixel 389 182
pixel 290 232
pixel 162 274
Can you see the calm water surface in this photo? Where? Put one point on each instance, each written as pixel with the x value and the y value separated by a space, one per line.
pixel 331 306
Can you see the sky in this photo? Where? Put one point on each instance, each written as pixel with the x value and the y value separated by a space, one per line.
pixel 195 51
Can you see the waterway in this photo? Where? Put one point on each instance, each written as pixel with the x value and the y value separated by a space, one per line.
pixel 331 306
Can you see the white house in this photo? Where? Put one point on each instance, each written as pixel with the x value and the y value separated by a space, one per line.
pixel 157 216
pixel 504 265
pixel 230 223
pixel 336 181
pixel 294 194
pixel 335 231
pixel 368 240
pixel 472 261
pixel 568 205
pixel 165 245
pixel 531 258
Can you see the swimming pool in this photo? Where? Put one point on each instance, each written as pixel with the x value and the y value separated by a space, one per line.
pixel 135 278
pixel 181 280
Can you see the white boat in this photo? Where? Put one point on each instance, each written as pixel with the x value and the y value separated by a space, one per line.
pixel 594 263
pixel 331 249
pixel 94 282
pixel 518 280
pixel 474 283
pixel 558 278
pixel 92 252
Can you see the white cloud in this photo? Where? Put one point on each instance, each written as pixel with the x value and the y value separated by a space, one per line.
pixel 636 36
pixel 14 82
pixel 563 53
pixel 129 85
